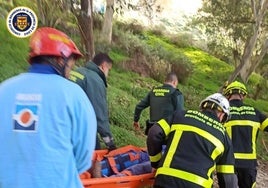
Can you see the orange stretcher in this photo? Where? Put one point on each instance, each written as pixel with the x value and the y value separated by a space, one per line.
pixel 132 181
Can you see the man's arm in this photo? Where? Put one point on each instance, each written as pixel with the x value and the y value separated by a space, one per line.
pixel 225 166
pixel 177 100
pixel 84 130
pixel 156 139
pixel 180 102
pixel 144 103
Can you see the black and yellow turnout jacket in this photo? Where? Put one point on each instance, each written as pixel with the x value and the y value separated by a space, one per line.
pixel 243 128
pixel 196 145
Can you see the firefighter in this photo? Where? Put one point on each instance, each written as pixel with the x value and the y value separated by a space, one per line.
pixel 243 128
pixel 162 100
pixel 196 146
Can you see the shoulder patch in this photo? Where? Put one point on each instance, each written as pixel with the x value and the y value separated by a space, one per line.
pixel 74 75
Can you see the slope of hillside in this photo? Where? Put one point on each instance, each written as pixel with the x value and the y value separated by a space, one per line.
pixel 126 88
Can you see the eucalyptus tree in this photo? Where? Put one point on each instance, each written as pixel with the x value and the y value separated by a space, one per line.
pixel 241 27
pixel 148 8
pixel 83 11
pixel 107 27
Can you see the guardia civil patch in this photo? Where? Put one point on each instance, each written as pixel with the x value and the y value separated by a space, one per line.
pixel 25 118
pixel 21 22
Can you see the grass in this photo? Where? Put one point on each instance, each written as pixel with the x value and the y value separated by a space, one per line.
pixel 126 89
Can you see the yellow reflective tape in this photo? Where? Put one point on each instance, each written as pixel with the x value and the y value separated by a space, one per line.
pixel 77 74
pixel 216 152
pixel 211 170
pixel 156 157
pixel 231 123
pixel 172 149
pixel 164 125
pixel 245 155
pixel 253 141
pixel 255 126
pixel 229 132
pixel 73 78
pixel 253 185
pixel 211 138
pixel 185 176
pixel 264 124
pixel 229 169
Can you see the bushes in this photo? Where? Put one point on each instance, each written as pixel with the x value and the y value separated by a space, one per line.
pixel 150 53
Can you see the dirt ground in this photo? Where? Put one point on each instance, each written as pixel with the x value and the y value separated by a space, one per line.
pixel 262 175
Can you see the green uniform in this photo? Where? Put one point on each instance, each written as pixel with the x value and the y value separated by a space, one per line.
pixel 163 101
pixel 93 82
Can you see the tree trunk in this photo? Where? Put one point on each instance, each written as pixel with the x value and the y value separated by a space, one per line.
pixel 106 33
pixel 246 58
pixel 257 60
pixel 259 12
pixel 85 24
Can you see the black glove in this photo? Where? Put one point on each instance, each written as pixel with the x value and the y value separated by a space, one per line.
pixel 112 147
pixel 110 144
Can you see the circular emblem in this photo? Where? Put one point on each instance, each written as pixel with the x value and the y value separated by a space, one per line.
pixel 21 22
pixel 25 118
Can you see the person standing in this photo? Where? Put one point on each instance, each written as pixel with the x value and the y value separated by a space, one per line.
pixel 47 124
pixel 92 79
pixel 162 100
pixel 243 127
pixel 196 145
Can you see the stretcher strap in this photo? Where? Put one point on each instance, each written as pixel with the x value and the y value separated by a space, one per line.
pixel 112 163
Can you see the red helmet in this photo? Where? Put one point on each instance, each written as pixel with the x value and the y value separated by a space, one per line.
pixel 52 42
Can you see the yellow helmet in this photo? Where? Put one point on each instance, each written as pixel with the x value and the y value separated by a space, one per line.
pixel 235 88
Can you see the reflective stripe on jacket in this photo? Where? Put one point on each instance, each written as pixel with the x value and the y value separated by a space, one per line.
pixel 197 144
pixel 243 128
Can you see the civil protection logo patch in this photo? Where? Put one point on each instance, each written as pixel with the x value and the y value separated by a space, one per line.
pixel 25 118
pixel 21 22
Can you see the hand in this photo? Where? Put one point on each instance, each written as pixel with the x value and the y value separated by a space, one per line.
pixel 112 147
pixel 136 125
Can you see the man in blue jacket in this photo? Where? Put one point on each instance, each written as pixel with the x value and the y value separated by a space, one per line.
pixel 92 79
pixel 47 124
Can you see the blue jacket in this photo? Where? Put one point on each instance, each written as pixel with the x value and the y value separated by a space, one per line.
pixel 47 131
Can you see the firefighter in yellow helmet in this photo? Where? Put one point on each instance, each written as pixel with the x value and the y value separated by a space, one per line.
pixel 196 145
pixel 243 127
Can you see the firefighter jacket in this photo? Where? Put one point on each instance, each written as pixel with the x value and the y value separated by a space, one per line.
pixel 196 145
pixel 243 128
pixel 93 82
pixel 163 101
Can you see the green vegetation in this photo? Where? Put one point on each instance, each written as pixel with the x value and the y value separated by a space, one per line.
pixel 140 65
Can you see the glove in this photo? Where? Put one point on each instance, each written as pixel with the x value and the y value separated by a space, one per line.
pixel 110 143
pixel 136 125
pixel 112 147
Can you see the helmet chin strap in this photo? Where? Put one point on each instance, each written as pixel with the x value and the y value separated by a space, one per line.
pixel 57 66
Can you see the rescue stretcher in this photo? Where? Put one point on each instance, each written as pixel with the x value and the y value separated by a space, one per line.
pixel 131 181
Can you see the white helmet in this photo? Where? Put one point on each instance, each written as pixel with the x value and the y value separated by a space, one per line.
pixel 218 99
